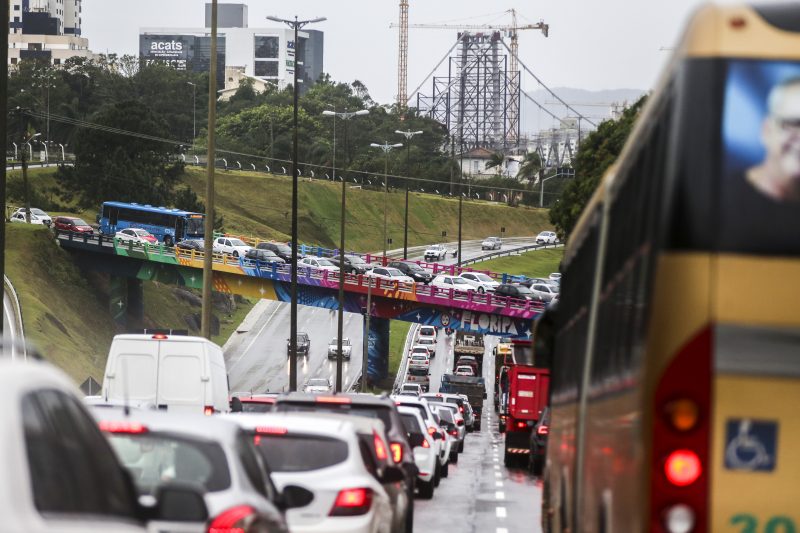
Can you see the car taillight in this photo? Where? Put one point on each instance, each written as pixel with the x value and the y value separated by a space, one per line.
pixel 425 443
pixel 521 425
pixel 271 430
pixel 234 520
pixel 454 432
pixel 131 428
pixel 681 439
pixel 460 408
pixel 208 410
pixel 333 399
pixel 380 447
pixel 397 452
pixel 432 430
pixel 160 337
pixel 352 502
pixel 459 422
pixel 543 430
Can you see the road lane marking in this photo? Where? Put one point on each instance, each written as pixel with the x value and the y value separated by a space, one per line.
pixel 500 512
pixel 500 495
pixel 497 474
pixel 498 484
pixel 243 353
pixel 501 530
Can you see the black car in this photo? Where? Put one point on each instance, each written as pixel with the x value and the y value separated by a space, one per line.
pixel 369 405
pixel 303 345
pixel 517 291
pixel 187 245
pixel 413 270
pixel 539 442
pixel 266 256
pixel 284 251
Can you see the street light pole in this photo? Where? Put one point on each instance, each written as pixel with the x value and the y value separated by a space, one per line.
pixel 296 25
pixel 408 134
pixel 541 189
pixel 386 147
pixel 340 318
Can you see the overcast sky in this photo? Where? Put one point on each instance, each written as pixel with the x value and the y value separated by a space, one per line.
pixel 593 44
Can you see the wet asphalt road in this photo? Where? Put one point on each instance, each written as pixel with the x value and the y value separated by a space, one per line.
pixel 480 495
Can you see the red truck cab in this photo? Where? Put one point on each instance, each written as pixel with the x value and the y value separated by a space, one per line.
pixel 527 397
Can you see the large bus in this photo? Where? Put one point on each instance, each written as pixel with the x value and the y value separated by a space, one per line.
pixel 675 379
pixel 167 225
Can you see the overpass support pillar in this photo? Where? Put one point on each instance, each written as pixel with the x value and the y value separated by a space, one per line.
pixel 126 301
pixel 378 349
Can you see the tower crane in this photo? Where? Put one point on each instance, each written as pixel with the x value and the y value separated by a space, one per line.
pixel 511 30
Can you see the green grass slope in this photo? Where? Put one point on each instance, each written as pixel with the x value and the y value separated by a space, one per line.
pixel 536 264
pixel 256 204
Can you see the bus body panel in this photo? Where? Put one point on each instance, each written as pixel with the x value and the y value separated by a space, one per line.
pixel 163 223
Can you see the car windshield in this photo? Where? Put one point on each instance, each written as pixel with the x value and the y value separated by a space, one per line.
pixel 300 453
pixel 460 281
pixel 79 222
pixel 282 248
pixel 355 260
pixel 237 242
pixel 423 351
pixel 318 382
pixel 483 277
pixel 324 263
pixel 141 232
pixel 414 267
pixel 37 211
pixel 155 458
pixel 419 357
pixel 524 290
pixel 394 272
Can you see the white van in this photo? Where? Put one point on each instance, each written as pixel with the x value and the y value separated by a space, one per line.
pixel 171 372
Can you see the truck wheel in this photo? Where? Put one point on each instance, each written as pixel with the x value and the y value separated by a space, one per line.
pixel 425 489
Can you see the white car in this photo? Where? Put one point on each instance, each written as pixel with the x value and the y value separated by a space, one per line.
pixel 424 349
pixel 435 252
pixel 51 445
pixel 413 389
pixel 333 348
pixel 427 333
pixel 390 274
pixel 492 243
pixel 419 363
pixel 318 263
pixel 482 282
pixel 443 281
pixel 432 422
pixel 231 246
pixel 555 276
pixel 325 455
pixel 464 370
pixel 37 216
pixel 318 385
pixel 424 446
pixel 547 237
pixel 136 235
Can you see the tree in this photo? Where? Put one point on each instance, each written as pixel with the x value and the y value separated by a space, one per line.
pixel 597 152
pixel 530 167
pixel 496 161
pixel 116 166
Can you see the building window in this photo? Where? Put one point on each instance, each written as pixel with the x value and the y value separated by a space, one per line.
pixel 266 47
pixel 476 169
pixel 56 61
pixel 266 69
pixel 13 60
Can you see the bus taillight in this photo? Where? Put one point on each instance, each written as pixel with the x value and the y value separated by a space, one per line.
pixel 681 439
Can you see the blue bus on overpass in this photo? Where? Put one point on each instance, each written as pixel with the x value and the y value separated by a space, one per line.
pixel 167 225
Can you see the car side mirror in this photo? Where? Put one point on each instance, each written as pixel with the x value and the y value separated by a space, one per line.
pixel 294 496
pixel 437 436
pixel 178 502
pixel 236 405
pixel 392 474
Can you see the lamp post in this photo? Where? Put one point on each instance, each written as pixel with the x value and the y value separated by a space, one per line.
pixel 386 147
pixel 408 134
pixel 541 188
pixel 296 25
pixel 340 318
pixel 46 155
pixel 194 110
pixel 27 140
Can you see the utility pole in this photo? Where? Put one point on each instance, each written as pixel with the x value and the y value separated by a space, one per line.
pixel 408 134
pixel 402 59
pixel 3 135
pixel 208 238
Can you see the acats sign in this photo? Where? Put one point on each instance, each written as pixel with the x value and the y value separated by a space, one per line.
pixel 168 46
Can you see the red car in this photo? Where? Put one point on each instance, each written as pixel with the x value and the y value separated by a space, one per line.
pixel 73 224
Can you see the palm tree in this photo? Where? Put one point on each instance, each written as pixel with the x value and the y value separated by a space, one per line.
pixel 496 161
pixel 530 167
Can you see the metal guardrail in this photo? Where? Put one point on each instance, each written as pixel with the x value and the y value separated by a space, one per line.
pixel 18 337
pixel 400 377
pixel 507 253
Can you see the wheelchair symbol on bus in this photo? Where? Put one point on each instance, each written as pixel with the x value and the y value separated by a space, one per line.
pixel 750 445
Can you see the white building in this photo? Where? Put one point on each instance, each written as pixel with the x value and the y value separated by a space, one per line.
pixel 473 164
pixel 47 30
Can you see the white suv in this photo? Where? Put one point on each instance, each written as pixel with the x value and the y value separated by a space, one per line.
pixel 423 445
pixel 435 252
pixel 458 283
pixel 547 237
pixel 231 246
pixel 492 243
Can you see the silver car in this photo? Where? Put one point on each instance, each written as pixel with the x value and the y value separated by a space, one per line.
pixel 333 348
pixel 208 451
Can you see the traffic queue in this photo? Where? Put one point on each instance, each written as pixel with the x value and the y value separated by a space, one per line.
pixel 159 449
